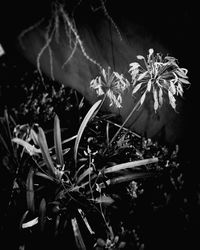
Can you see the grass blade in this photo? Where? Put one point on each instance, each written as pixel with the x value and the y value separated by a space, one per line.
pixel 82 128
pixel 128 165
pixel 128 177
pixel 31 149
pixel 88 171
pixel 58 142
pixel 104 199
pixel 77 234
pixel 30 223
pixel 45 152
pixel 85 221
pixel 30 191
pixel 42 215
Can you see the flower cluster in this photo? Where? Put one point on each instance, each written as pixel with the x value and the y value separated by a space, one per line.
pixel 159 75
pixel 111 85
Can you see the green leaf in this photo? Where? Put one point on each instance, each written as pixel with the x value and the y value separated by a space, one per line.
pixel 3 142
pixel 42 214
pixel 88 171
pixel 30 191
pixel 128 178
pixel 57 223
pixel 23 218
pixel 34 136
pixel 30 223
pixel 85 221
pixel 77 234
pixel 58 142
pixel 45 176
pixel 45 152
pixel 31 149
pixel 129 165
pixel 82 128
pixel 104 199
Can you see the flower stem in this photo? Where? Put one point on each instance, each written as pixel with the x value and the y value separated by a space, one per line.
pixel 103 100
pixel 126 120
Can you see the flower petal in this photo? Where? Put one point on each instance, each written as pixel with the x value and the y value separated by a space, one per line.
pixel 149 85
pixel 134 66
pixel 136 88
pixel 143 98
pixel 160 96
pixel 172 100
pixel 140 57
pixel 155 96
pixel 142 75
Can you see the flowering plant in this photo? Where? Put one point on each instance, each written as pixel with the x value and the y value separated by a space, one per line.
pixel 111 85
pixel 159 75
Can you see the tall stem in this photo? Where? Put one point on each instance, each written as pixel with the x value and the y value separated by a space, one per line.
pixel 126 120
pixel 101 104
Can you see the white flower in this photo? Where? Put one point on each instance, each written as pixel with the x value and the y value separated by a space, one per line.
pixel 159 75
pixel 110 84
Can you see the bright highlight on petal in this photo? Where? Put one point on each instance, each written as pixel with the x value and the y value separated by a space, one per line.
pixel 110 84
pixel 161 76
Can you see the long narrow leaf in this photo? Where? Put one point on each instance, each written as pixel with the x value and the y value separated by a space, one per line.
pixel 88 171
pixel 77 234
pixel 82 128
pixel 57 224
pixel 85 221
pixel 45 176
pixel 3 142
pixel 128 165
pixel 34 136
pixel 45 152
pixel 30 223
pixel 58 142
pixel 23 219
pixel 30 191
pixel 104 199
pixel 127 178
pixel 9 132
pixel 42 214
pixel 31 149
pixel 7 123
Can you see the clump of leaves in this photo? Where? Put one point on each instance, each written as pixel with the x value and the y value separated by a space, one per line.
pixel 64 186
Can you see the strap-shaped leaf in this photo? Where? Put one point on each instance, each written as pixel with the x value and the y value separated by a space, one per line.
pixel 87 172
pixel 58 142
pixel 82 128
pixel 30 191
pixel 45 152
pixel 128 177
pixel 129 165
pixel 30 223
pixel 85 221
pixel 42 214
pixel 31 149
pixel 77 234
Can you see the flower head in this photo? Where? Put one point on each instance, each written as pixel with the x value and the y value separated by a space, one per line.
pixel 159 75
pixel 110 84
